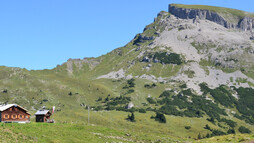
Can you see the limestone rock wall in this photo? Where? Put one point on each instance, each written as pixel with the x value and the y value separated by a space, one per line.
pixel 247 23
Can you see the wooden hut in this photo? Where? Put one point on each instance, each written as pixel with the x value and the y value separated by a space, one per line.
pixel 14 113
pixel 43 116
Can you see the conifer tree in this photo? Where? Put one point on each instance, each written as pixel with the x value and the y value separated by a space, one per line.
pixel 199 136
pixel 131 117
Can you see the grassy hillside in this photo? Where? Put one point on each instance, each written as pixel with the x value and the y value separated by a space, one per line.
pixel 76 84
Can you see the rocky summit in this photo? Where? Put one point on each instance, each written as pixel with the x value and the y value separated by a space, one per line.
pixel 190 72
pixel 229 18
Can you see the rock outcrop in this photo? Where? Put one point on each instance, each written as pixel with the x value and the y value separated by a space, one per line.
pixel 246 23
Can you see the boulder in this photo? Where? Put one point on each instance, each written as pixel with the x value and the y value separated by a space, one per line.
pixel 130 105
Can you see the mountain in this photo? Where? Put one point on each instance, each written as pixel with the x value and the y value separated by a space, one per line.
pixel 193 64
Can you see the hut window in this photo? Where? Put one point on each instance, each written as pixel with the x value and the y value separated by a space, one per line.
pixel 6 116
pixel 26 117
pixel 16 109
pixel 11 109
pixel 14 116
pixel 21 116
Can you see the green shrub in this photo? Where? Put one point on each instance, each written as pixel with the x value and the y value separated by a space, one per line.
pixel 160 117
pixel 245 104
pixel 122 101
pixel 131 82
pixel 231 131
pixel 130 91
pixel 199 136
pixel 187 127
pixel 207 127
pixel 239 117
pixel 151 100
pixel 211 120
pixel 99 99
pixel 166 93
pixel 147 86
pixel 218 133
pixel 98 108
pixel 142 110
pixel 172 58
pixel 208 135
pixel 150 109
pixel 165 58
pixel 150 86
pixel 131 117
pixel 231 123
pixel 183 86
pixel 220 94
pixel 197 108
pixel 5 91
pixel 243 130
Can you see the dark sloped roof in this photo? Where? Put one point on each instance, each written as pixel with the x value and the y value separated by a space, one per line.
pixel 41 112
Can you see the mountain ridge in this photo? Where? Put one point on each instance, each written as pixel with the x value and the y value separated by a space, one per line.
pixel 239 19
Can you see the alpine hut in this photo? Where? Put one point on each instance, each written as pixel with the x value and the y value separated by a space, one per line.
pixel 14 113
pixel 43 116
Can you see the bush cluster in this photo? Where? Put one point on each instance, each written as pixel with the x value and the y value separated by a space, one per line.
pixel 220 94
pixel 131 117
pixel 243 130
pixel 244 104
pixel 159 117
pixel 130 83
pixel 165 58
pixel 148 86
pixel 151 100
pixel 196 108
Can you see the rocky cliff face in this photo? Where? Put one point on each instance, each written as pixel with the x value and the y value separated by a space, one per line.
pixel 246 23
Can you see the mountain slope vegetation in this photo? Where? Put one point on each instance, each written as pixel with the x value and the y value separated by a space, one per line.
pixel 186 79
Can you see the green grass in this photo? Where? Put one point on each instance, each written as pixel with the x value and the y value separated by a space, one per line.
pixel 155 26
pixel 157 69
pixel 189 73
pixel 111 126
pixel 241 80
pixel 251 84
pixel 229 139
pixel 104 126
pixel 250 72
pixel 203 48
pixel 208 63
pixel 204 62
pixel 227 70
pixel 56 133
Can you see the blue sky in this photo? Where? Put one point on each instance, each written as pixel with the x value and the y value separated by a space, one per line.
pixel 39 34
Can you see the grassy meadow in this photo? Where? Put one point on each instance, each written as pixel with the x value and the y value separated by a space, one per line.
pixel 112 126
